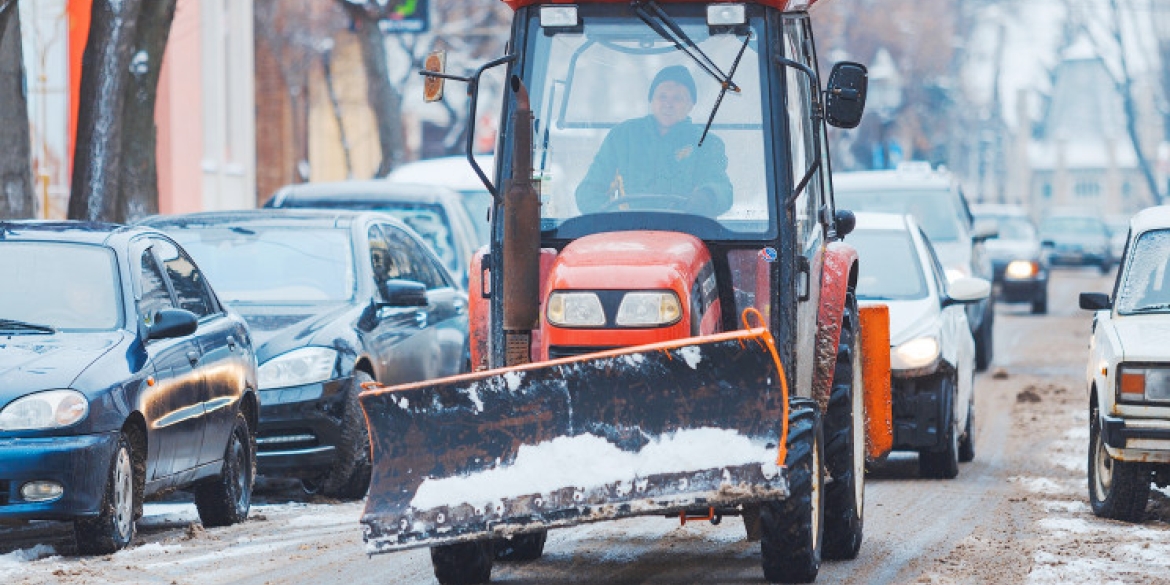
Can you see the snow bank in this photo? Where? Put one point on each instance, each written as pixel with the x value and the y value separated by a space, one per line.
pixel 15 562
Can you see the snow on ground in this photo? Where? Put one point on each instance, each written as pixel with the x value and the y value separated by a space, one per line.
pixel 13 563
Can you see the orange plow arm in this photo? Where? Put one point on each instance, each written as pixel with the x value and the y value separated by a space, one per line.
pixel 875 367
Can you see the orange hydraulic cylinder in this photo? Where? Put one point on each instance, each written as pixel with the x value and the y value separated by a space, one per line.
pixel 875 368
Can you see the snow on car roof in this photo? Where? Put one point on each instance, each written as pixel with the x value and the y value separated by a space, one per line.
pixel 1151 218
pixel 870 220
pixel 450 171
pixel 909 175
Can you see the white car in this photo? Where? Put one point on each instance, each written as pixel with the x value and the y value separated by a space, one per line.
pixel 456 173
pixel 932 351
pixel 1128 374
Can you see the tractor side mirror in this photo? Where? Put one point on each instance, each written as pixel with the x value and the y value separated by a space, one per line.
pixel 845 221
pixel 435 62
pixel 845 96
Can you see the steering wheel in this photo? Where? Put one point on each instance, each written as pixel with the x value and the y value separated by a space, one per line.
pixel 647 201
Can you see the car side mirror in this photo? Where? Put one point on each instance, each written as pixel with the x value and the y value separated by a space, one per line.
pixel 845 221
pixel 967 290
pixel 845 96
pixel 170 323
pixel 1095 302
pixel 404 293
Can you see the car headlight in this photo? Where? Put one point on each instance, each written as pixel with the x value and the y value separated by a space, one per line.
pixel 52 409
pixel 298 367
pixel 1143 384
pixel 1021 269
pixel 649 309
pixel 918 353
pixel 575 309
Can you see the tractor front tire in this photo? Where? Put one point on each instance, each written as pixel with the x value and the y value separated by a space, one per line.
pixel 521 547
pixel 464 563
pixel 845 444
pixel 791 529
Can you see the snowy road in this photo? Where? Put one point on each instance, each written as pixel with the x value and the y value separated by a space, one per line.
pixel 1017 514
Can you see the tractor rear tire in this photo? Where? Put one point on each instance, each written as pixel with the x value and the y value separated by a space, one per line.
pixel 464 563
pixel 845 444
pixel 521 547
pixel 791 529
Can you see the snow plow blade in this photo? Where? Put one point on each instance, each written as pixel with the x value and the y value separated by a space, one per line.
pixel 655 429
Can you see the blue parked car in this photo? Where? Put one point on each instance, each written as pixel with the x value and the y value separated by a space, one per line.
pixel 123 376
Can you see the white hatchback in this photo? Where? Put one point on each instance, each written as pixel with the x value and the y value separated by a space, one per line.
pixel 932 351
pixel 1128 374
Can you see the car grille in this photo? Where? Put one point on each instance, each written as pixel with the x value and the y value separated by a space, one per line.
pixel 3 492
pixel 287 440
pixel 564 351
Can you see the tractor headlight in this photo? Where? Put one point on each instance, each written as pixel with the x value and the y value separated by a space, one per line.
pixel 575 309
pixel 916 354
pixel 1143 384
pixel 649 309
pixel 1021 269
pixel 52 409
pixel 298 367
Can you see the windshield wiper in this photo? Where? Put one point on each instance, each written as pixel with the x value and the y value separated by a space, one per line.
pixel 1150 308
pixel 675 34
pixel 13 325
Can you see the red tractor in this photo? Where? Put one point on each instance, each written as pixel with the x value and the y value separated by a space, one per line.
pixel 665 321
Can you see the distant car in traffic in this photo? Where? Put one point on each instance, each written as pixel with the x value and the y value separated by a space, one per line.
pixel 932 351
pixel 121 376
pixel 1118 225
pixel 436 213
pixel 1075 238
pixel 455 173
pixel 1128 374
pixel 334 299
pixel 1018 265
pixel 935 199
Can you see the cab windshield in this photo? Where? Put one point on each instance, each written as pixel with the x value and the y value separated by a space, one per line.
pixel 620 111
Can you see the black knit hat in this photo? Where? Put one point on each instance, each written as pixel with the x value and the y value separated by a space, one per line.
pixel 677 74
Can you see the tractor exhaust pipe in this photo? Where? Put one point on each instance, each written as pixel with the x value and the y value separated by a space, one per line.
pixel 521 260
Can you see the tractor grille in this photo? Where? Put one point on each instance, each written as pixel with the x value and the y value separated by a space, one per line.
pixel 564 351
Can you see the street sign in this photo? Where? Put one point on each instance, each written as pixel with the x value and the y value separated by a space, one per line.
pixel 412 16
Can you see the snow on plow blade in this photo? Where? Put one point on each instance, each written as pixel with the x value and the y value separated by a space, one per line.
pixel 645 430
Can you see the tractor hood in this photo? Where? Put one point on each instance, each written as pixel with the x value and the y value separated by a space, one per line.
pixel 636 260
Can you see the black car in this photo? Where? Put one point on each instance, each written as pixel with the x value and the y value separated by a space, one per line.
pixel 1019 267
pixel 435 213
pixel 334 299
pixel 123 376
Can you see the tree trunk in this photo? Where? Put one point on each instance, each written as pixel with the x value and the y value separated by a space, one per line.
pixel 384 99
pixel 105 80
pixel 139 134
pixel 16 190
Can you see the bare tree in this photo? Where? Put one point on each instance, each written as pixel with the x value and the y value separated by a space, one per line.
pixel 384 98
pixel 16 190
pixel 139 193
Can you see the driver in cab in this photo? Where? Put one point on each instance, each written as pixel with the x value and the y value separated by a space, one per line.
pixel 657 159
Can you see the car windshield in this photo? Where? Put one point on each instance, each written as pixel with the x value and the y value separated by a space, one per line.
pixel 890 269
pixel 599 92
pixel 1014 228
pixel 934 210
pixel 1144 285
pixel 273 265
pixel 59 285
pixel 1087 226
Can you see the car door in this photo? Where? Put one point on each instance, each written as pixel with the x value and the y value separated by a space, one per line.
pixel 956 342
pixel 222 360
pixel 173 403
pixel 446 311
pixel 397 337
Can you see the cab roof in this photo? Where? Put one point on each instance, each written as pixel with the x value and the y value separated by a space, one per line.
pixel 784 5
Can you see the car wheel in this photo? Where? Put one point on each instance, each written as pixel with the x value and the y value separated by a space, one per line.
pixel 1040 304
pixel 227 499
pixel 943 462
pixel 792 529
pixel 967 444
pixel 114 526
pixel 464 563
pixel 1117 489
pixel 349 477
pixel 845 445
pixel 1106 266
pixel 983 340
